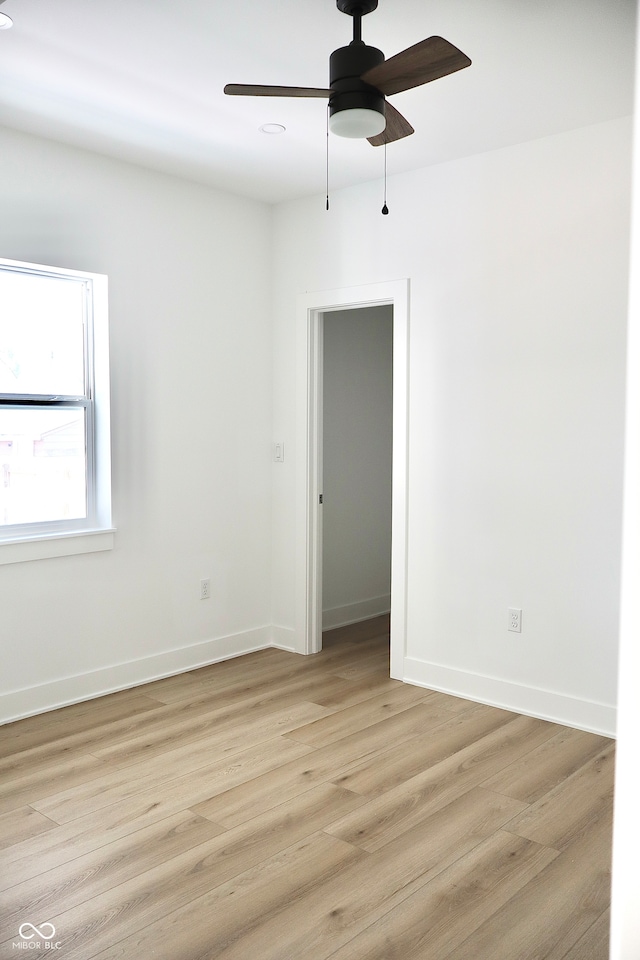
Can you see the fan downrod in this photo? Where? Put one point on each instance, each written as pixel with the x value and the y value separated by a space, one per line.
pixel 355 8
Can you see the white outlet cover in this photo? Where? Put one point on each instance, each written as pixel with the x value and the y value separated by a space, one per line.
pixel 514 619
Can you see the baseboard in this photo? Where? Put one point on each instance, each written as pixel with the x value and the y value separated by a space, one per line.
pixel 355 612
pixel 122 676
pixel 284 638
pixel 587 715
pixel 570 711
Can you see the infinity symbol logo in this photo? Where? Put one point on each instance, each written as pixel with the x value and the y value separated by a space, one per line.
pixel 37 931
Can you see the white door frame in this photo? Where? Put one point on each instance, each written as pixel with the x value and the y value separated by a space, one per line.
pixel 308 585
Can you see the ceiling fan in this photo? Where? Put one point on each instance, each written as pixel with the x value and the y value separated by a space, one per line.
pixel 360 79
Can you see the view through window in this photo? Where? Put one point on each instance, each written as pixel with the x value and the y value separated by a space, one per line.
pixel 47 399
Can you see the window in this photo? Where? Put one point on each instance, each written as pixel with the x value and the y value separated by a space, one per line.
pixel 54 412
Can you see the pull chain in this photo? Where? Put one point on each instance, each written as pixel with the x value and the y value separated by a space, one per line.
pixel 385 208
pixel 327 156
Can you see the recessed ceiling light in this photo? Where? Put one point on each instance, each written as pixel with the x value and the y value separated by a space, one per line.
pixel 272 128
pixel 5 21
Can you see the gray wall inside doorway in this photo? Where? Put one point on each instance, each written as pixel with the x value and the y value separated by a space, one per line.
pixel 357 452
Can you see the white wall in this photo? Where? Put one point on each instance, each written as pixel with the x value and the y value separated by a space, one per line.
pixel 625 917
pixel 191 416
pixel 357 448
pixel 518 264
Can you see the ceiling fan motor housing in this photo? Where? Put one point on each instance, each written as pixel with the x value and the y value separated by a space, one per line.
pixel 356 8
pixel 348 91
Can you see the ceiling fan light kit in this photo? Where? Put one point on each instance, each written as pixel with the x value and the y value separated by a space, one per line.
pixel 356 109
pixel 356 122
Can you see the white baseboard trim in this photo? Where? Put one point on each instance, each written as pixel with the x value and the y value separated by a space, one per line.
pixel 586 715
pixel 583 714
pixel 284 638
pixel 122 676
pixel 355 612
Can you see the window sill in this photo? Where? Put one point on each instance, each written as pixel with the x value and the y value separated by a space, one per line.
pixel 55 545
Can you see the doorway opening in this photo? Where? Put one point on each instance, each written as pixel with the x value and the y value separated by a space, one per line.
pixel 355 445
pixel 313 310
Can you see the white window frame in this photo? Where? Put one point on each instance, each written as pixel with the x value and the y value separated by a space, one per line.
pixel 42 540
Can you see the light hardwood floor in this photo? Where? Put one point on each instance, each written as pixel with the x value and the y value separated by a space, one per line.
pixel 277 807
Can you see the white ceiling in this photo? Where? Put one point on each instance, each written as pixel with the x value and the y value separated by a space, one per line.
pixel 142 80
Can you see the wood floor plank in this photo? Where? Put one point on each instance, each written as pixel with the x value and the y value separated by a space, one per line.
pixel 374 627
pixel 354 691
pixel 311 923
pixel 231 706
pixel 194 752
pixel 248 800
pixel 33 731
pixel 548 916
pixel 594 943
pixel 562 814
pixel 230 854
pixel 263 667
pixel 37 855
pixel 34 784
pixel 213 736
pixel 443 740
pixel 22 823
pixel 359 895
pixel 350 651
pixel 159 726
pixel 548 765
pixel 219 674
pixel 183 686
pixel 339 724
pixel 441 914
pixel 362 667
pixel 98 927
pixel 399 809
pixel 171 788
pixel 100 871
pixel 84 740
pixel 259 679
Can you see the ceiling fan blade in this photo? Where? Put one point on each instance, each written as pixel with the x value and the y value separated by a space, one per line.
pixel 397 127
pixel 257 90
pixel 425 61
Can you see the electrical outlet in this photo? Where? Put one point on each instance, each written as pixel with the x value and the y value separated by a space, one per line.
pixel 205 589
pixel 515 619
